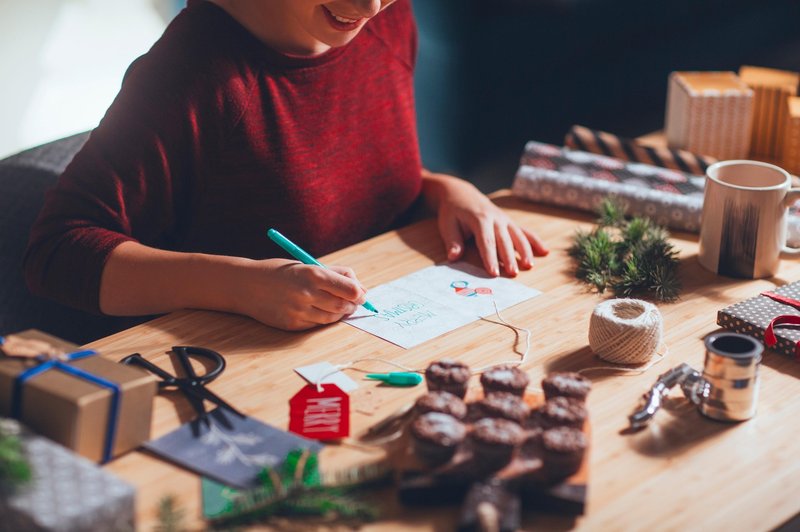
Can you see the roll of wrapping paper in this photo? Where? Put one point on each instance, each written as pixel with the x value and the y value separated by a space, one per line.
pixel 594 141
pixel 580 180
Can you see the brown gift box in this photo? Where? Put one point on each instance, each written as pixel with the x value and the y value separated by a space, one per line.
pixel 74 412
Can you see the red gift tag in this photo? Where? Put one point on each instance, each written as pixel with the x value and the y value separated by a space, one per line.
pixel 320 415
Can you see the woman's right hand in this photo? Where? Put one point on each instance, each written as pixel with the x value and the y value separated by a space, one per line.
pixel 139 280
pixel 293 296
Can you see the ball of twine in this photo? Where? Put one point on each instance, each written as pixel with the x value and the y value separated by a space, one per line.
pixel 625 331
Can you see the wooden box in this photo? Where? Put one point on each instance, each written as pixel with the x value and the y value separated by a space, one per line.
pixel 709 113
pixel 771 88
pixel 790 160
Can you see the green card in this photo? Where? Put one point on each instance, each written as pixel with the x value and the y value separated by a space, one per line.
pixel 217 498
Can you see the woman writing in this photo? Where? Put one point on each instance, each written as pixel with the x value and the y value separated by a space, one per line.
pixel 249 114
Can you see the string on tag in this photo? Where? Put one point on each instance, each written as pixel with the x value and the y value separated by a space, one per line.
pixel 638 371
pixel 517 330
pixel 523 356
pixel 350 365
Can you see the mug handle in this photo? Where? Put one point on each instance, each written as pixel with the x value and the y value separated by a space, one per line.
pixel 791 197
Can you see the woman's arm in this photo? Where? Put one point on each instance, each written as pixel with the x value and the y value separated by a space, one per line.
pixel 464 212
pixel 282 293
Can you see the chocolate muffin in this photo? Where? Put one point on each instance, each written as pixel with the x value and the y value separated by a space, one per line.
pixel 494 441
pixel 448 376
pixel 504 379
pixel 566 384
pixel 443 402
pixel 436 436
pixel 501 405
pixel 563 412
pixel 562 450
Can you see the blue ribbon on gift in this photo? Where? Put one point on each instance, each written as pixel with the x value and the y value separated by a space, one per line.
pixel 113 414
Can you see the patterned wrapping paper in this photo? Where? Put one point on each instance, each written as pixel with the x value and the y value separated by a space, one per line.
pixel 752 316
pixel 67 493
pixel 605 143
pixel 581 180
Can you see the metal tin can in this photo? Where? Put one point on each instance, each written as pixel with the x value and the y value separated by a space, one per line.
pixel 731 375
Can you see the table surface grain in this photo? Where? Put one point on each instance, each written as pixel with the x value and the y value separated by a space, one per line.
pixel 682 472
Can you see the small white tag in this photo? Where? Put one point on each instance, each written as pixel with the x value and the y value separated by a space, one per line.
pixel 313 372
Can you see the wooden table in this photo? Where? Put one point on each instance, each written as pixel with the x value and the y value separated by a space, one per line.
pixel 683 472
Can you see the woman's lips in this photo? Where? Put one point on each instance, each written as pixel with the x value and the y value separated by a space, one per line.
pixel 341 23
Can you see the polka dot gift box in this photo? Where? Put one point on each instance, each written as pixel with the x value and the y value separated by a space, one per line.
pixel 753 317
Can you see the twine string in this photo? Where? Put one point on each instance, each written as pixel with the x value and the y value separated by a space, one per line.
pixel 524 355
pixel 638 371
pixel 626 332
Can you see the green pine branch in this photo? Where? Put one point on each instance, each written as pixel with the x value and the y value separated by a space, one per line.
pixel 14 467
pixel 171 517
pixel 295 490
pixel 631 257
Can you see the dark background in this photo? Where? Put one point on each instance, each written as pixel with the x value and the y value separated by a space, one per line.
pixel 492 75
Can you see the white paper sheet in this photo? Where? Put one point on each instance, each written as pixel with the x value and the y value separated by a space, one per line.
pixel 435 300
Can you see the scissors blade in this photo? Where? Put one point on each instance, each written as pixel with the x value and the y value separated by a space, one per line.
pixel 186 363
pixel 138 360
pixel 216 399
pixel 195 398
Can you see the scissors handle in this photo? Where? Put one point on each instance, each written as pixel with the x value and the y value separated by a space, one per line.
pixel 186 352
pixel 192 385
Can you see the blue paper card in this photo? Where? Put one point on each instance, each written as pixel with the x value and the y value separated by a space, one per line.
pixel 232 450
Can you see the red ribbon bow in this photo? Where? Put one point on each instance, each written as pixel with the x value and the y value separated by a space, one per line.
pixel 787 319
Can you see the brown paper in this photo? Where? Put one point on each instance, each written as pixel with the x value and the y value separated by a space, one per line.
pixel 73 411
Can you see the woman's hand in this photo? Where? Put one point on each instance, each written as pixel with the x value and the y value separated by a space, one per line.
pixel 464 212
pixel 293 296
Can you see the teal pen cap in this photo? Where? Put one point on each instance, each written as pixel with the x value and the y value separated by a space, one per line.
pixel 292 249
pixel 397 378
pixel 302 255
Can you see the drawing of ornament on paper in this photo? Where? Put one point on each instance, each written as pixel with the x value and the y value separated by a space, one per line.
pixel 230 448
pixel 462 289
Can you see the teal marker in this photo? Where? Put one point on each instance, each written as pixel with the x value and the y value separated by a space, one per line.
pixel 397 378
pixel 300 254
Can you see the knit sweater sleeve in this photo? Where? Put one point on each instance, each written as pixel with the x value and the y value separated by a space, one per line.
pixel 134 177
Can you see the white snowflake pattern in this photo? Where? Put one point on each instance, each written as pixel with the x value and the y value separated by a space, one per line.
pixel 231 448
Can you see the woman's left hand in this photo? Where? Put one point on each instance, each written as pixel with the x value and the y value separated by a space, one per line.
pixel 464 212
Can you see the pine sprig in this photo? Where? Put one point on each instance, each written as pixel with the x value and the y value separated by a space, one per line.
pixel 294 490
pixel 631 257
pixel 14 467
pixel 170 516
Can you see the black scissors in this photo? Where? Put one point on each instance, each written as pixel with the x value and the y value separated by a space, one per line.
pixel 192 385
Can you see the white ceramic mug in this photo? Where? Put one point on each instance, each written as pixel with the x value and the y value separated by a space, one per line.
pixel 743 229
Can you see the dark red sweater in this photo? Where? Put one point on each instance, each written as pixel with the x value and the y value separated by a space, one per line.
pixel 214 138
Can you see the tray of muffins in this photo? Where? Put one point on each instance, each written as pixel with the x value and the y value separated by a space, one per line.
pixel 499 446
